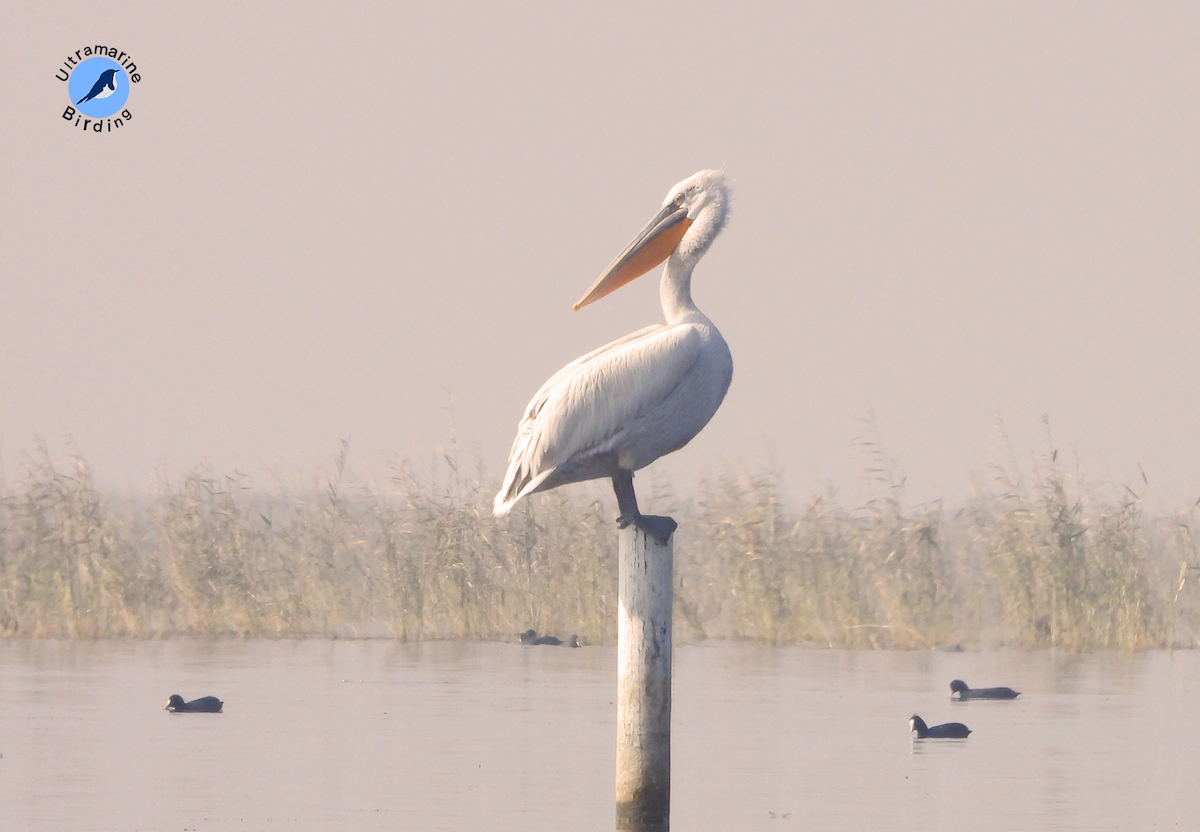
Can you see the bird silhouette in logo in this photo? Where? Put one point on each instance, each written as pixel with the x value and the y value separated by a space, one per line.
pixel 105 86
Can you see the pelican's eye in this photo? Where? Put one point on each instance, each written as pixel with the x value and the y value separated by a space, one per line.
pixel 678 200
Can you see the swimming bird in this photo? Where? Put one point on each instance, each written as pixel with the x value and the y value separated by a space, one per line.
pixel 531 637
pixel 105 86
pixel 949 730
pixel 203 705
pixel 960 691
pixel 617 409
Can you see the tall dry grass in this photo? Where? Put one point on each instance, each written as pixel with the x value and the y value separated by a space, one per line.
pixel 1033 559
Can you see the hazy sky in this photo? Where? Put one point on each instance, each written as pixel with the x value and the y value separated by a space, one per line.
pixel 323 220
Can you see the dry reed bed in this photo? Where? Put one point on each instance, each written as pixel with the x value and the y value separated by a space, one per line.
pixel 1031 561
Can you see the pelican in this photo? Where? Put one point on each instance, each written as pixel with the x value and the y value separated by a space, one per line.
pixel 619 408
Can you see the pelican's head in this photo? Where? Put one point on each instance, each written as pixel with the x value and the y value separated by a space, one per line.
pixel 701 200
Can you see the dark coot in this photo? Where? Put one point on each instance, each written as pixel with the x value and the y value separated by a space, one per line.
pixel 203 705
pixel 531 637
pixel 960 691
pixel 947 731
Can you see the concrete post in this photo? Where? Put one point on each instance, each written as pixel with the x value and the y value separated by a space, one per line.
pixel 645 589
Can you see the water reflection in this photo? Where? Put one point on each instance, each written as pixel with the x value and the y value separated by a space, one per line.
pixel 323 735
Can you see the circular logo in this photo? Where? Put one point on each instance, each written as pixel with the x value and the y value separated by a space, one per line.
pixel 98 87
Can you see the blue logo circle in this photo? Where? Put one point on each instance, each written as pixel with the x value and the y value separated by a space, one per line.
pixel 98 87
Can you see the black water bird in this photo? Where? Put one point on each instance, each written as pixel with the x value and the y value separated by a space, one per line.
pixel 531 637
pixel 947 731
pixel 203 705
pixel 960 691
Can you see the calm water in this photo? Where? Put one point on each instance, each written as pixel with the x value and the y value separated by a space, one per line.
pixel 376 735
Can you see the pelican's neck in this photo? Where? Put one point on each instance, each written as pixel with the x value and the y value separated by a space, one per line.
pixel 675 291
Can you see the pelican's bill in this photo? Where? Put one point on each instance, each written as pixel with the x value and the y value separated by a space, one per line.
pixel 651 246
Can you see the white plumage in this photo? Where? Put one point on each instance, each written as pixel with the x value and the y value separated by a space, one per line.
pixel 620 407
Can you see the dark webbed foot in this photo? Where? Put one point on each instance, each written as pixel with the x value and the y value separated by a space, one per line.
pixel 657 526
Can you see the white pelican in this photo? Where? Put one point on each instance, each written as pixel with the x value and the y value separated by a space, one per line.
pixel 619 408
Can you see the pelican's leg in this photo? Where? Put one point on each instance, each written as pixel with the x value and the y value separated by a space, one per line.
pixel 657 526
pixel 626 499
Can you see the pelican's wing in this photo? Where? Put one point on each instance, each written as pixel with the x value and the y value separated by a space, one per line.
pixel 539 398
pixel 579 415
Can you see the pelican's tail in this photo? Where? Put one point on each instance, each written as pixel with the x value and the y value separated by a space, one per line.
pixel 517 483
pixel 502 504
pixel 519 473
pixel 510 489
